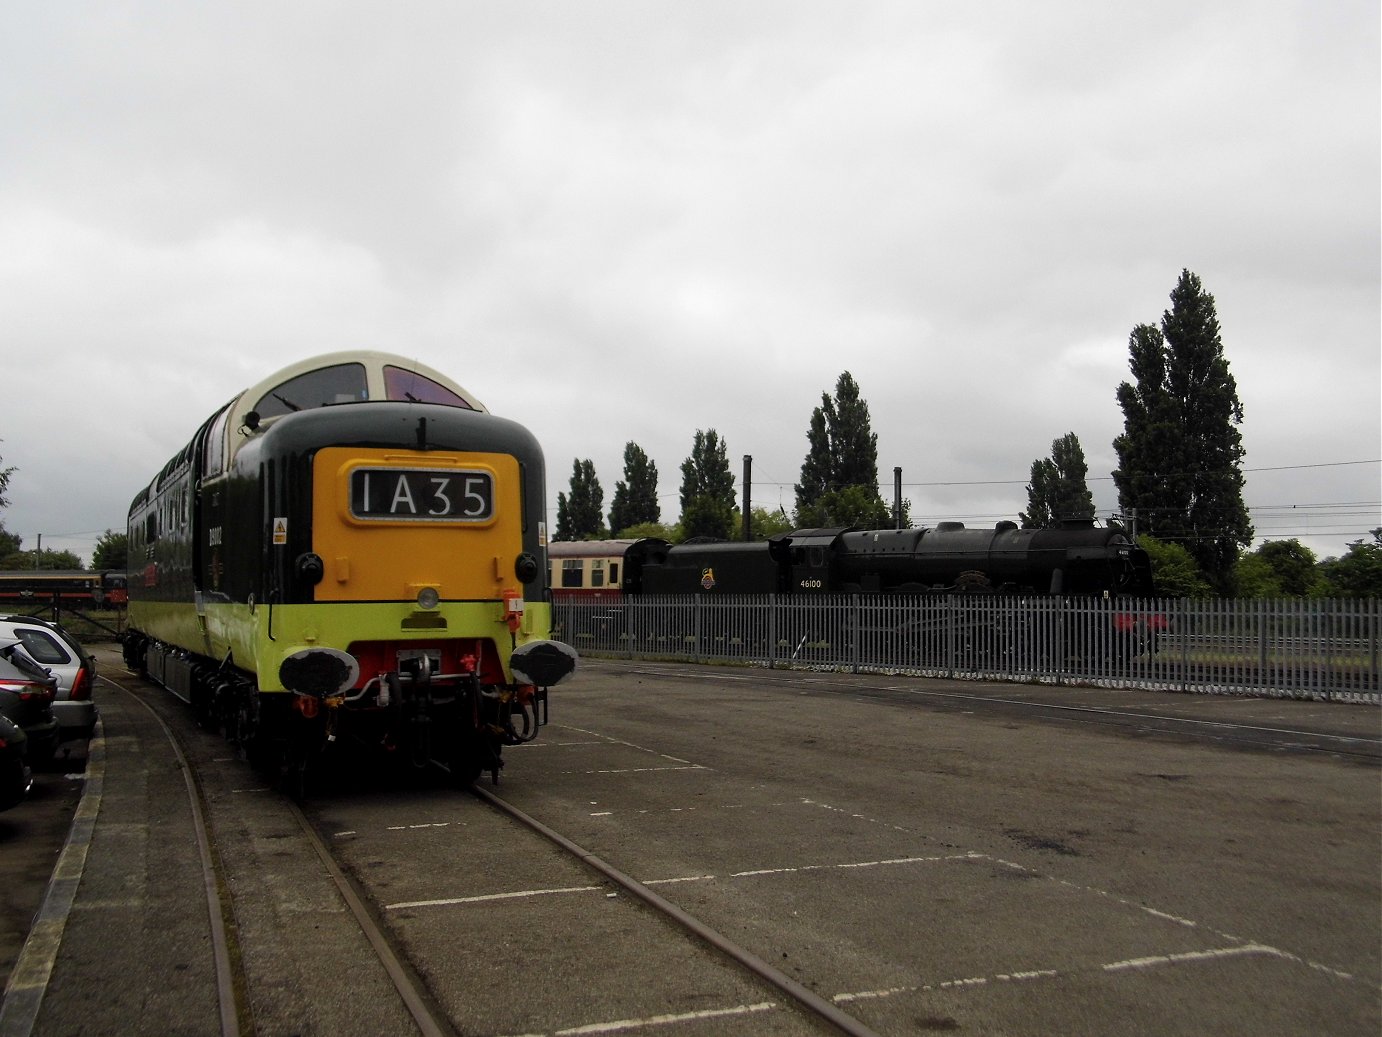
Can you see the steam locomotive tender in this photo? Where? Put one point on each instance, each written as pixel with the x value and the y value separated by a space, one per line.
pixel 352 550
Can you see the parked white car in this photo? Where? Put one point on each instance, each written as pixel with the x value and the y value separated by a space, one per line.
pixel 60 654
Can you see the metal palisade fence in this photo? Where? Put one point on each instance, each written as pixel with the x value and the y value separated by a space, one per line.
pixel 1320 649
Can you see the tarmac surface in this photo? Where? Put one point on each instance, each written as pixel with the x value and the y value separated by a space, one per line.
pixel 32 836
pixel 104 913
pixel 115 940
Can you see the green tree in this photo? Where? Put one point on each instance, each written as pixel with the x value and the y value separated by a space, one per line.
pixel 1358 574
pixel 1278 569
pixel 5 474
pixel 767 524
pixel 579 516
pixel 1058 489
pixel 635 498
pixel 839 476
pixel 1180 454
pixel 707 489
pixel 660 530
pixel 1174 570
pixel 111 551
pixel 45 559
pixel 9 542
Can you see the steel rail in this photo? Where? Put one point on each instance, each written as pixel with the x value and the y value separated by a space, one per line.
pixel 413 993
pixel 226 980
pixel 803 996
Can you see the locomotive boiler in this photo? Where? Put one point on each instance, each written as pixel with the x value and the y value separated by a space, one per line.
pixel 1076 558
pixel 351 552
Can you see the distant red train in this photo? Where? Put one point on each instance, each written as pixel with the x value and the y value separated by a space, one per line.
pixel 68 587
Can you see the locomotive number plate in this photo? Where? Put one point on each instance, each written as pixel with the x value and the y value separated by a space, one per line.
pixel 421 494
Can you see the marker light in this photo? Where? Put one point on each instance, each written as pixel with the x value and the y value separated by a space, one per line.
pixel 428 598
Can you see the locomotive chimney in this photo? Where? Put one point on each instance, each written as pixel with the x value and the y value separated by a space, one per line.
pixel 748 480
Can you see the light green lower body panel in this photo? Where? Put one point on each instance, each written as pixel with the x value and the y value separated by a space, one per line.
pixel 258 638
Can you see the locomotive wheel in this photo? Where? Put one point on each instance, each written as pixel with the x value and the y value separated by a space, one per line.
pixel 472 752
pixel 465 766
pixel 301 758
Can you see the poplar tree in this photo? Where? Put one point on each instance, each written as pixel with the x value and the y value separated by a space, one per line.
pixel 635 497
pixel 1180 454
pixel 579 515
pixel 839 476
pixel 1059 489
pixel 707 489
pixel 9 542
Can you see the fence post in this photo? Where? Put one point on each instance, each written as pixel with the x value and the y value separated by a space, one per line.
pixel 1373 624
pixel 855 627
pixel 950 636
pixel 1062 652
pixel 772 631
pixel 696 630
pixel 1184 645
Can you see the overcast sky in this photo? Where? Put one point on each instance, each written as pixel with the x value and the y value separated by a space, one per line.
pixel 627 221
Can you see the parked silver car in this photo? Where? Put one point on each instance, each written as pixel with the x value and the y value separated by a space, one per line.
pixel 75 669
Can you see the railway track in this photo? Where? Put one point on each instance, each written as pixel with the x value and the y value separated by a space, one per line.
pixel 233 938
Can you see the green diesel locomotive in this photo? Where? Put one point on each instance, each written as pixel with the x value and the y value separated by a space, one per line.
pixel 352 551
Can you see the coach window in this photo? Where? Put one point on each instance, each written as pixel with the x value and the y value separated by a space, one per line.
pixel 340 383
pixel 214 452
pixel 614 574
pixel 403 385
pixel 597 572
pixel 571 573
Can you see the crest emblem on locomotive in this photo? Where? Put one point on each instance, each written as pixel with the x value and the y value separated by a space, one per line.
pixel 707 578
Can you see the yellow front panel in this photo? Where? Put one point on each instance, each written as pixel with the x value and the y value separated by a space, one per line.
pixel 391 558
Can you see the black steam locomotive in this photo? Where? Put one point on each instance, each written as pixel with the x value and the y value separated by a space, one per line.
pixel 936 598
pixel 1077 559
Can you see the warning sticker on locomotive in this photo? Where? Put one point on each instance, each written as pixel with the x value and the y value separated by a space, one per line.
pixel 421 494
